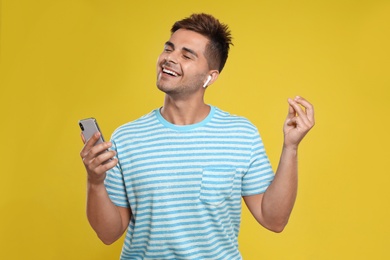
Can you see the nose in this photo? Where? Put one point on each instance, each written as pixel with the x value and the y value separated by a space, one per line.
pixel 171 58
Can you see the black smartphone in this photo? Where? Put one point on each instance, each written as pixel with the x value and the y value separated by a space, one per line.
pixel 89 126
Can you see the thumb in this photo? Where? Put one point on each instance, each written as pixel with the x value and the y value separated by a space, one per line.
pixel 82 137
pixel 291 121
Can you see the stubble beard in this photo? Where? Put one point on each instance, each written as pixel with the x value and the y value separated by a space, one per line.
pixel 186 89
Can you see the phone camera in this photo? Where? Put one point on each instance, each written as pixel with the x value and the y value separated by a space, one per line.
pixel 81 126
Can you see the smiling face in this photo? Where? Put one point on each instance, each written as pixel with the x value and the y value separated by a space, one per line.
pixel 182 67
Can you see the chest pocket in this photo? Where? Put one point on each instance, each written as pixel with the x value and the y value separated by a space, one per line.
pixel 217 185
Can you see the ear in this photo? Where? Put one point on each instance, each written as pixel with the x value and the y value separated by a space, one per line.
pixel 211 78
pixel 207 81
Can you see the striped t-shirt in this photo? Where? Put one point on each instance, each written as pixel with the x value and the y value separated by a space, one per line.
pixel 184 184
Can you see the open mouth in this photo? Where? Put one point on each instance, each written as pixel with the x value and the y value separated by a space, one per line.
pixel 170 72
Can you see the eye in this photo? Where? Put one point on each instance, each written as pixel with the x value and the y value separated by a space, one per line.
pixel 186 57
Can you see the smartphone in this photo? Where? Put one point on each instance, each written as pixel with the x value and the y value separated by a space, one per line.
pixel 89 127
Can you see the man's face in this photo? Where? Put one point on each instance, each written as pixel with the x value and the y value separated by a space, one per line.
pixel 182 67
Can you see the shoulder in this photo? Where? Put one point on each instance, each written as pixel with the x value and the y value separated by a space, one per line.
pixel 136 126
pixel 227 119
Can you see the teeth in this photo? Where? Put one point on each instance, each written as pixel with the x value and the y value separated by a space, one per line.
pixel 170 72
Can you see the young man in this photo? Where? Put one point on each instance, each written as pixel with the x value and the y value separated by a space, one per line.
pixel 178 174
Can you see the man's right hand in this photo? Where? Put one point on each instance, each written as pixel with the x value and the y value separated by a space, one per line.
pixel 97 160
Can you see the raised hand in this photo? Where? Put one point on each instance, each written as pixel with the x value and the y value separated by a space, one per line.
pixel 299 121
pixel 97 160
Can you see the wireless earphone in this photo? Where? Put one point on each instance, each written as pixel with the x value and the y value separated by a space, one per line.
pixel 207 81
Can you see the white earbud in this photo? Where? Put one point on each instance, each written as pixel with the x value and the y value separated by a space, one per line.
pixel 207 81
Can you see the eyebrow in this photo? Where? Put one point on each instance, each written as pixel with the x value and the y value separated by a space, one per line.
pixel 170 44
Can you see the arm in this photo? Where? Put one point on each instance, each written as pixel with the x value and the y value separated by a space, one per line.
pixel 272 209
pixel 108 221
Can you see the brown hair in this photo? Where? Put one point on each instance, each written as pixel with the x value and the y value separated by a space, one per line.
pixel 218 33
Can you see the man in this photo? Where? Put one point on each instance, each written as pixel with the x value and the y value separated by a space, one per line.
pixel 178 174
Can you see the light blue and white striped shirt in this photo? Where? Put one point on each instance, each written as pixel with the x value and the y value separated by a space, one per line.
pixel 184 184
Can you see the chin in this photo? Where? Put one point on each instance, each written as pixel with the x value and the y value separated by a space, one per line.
pixel 163 87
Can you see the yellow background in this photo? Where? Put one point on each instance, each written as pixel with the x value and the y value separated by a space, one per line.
pixel 69 59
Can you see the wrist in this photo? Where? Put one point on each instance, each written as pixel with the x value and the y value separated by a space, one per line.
pixel 95 184
pixel 290 148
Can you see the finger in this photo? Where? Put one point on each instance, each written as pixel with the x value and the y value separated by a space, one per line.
pixel 95 151
pixel 291 111
pixel 292 122
pixel 296 122
pixel 94 138
pixel 300 112
pixel 102 158
pixel 308 107
pixel 89 144
pixel 102 168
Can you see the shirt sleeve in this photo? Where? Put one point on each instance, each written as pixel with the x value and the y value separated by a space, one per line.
pixel 115 184
pixel 259 174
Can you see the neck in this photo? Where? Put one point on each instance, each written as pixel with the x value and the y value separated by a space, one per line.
pixel 186 112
